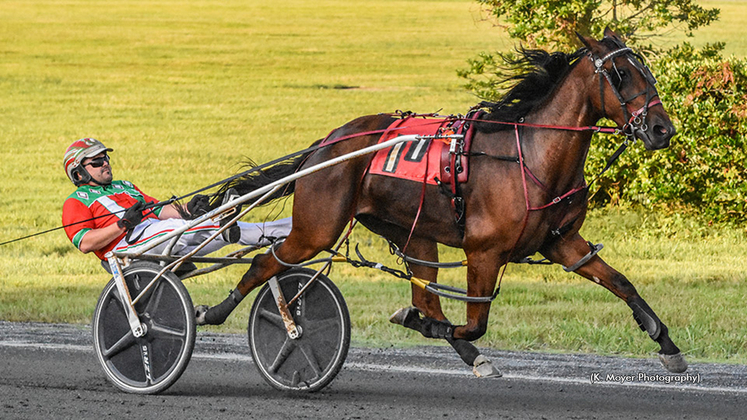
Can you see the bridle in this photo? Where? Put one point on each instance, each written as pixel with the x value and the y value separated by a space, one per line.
pixel 636 119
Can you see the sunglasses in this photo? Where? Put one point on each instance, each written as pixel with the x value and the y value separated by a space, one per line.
pixel 98 162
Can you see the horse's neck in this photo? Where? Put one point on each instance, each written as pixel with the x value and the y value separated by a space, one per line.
pixel 557 156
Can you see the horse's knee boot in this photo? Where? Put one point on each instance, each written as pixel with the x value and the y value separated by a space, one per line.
pixel 432 328
pixel 217 315
pixel 645 317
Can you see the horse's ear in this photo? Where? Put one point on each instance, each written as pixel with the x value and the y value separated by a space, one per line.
pixel 586 41
pixel 611 34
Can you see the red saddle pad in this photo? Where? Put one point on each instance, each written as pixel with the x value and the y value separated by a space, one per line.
pixel 416 160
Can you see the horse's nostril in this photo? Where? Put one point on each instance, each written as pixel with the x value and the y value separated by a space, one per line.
pixel 660 130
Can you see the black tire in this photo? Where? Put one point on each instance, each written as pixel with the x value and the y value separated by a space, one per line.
pixel 310 362
pixel 153 362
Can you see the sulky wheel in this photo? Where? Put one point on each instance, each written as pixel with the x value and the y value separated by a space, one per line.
pixel 153 362
pixel 310 362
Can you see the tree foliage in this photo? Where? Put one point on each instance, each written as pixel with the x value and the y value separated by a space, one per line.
pixel 554 23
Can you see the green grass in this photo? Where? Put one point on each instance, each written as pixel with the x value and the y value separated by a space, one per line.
pixel 729 29
pixel 185 91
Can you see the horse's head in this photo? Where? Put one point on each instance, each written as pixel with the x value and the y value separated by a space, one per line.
pixel 627 94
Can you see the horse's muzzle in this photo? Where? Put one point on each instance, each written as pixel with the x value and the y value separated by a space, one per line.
pixel 656 134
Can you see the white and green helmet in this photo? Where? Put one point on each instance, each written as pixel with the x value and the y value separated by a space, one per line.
pixel 74 155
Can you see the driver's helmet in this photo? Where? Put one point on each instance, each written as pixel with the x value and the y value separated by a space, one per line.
pixel 74 155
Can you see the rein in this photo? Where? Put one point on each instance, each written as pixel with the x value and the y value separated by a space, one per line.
pixel 634 119
pixel 148 206
pixel 324 143
pixel 251 170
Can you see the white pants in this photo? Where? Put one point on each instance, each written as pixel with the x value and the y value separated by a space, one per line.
pixel 150 230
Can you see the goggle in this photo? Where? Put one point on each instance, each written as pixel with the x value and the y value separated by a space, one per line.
pixel 98 162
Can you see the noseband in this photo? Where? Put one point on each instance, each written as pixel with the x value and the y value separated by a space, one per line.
pixel 637 118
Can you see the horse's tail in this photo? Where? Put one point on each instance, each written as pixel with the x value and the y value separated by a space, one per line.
pixel 258 179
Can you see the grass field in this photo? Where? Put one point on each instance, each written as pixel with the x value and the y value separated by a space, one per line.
pixel 186 91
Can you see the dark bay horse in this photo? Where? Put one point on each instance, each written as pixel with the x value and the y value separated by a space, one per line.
pixel 505 217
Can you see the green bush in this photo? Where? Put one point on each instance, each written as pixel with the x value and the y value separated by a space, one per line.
pixel 703 170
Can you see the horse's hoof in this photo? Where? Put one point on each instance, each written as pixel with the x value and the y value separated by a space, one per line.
pixel 200 312
pixel 401 315
pixel 674 363
pixel 483 368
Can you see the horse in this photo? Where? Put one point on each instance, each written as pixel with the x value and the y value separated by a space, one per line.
pixel 504 217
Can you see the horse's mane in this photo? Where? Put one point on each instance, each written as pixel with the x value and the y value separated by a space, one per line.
pixel 537 74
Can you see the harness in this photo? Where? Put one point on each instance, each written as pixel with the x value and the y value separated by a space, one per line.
pixel 457 162
pixel 454 169
pixel 457 159
pixel 636 119
pixel 636 122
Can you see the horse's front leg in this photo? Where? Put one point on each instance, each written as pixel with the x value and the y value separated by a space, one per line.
pixel 425 315
pixel 570 251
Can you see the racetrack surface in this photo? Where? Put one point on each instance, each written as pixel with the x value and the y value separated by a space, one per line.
pixel 50 371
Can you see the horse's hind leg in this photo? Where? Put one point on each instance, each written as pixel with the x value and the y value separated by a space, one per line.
pixel 425 315
pixel 310 235
pixel 570 251
pixel 301 245
pixel 434 323
pixel 427 303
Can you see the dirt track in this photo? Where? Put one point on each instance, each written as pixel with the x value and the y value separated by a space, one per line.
pixel 50 371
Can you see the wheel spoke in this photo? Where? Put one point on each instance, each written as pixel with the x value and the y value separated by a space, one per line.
pixel 285 351
pixel 155 297
pixel 159 330
pixel 123 343
pixel 308 353
pixel 273 318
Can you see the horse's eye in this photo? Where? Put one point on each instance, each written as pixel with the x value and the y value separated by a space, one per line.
pixel 621 75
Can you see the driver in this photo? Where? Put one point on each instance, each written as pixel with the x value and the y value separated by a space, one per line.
pixel 104 215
